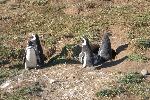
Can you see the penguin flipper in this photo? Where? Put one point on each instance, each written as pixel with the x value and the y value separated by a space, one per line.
pixel 81 55
pixel 24 58
pixel 99 51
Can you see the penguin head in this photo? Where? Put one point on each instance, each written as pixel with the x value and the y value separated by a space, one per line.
pixel 85 41
pixel 37 39
pixel 33 37
pixel 36 36
pixel 107 34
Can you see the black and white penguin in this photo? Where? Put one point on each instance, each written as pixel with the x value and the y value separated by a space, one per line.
pixel 38 48
pixel 86 56
pixel 105 50
pixel 30 59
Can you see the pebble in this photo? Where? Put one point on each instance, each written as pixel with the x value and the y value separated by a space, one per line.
pixel 6 84
pixel 144 72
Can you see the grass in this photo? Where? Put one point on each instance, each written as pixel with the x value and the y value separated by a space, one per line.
pixel 129 84
pixel 139 30
pixel 23 93
pixel 141 20
pixel 44 17
pixel 50 41
pixel 69 54
pixel 132 78
pixel 11 53
pixel 12 70
pixel 49 18
pixel 34 89
pixel 111 92
pixel 143 43
pixel 142 90
pixel 137 57
pixel 6 73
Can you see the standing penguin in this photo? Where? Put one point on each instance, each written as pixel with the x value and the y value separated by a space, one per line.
pixel 105 51
pixel 86 56
pixel 38 48
pixel 30 59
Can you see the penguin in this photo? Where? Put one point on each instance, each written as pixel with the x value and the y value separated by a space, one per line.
pixel 95 48
pixel 30 59
pixel 105 50
pixel 86 56
pixel 38 48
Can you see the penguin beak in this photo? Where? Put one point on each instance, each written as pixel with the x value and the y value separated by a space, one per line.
pixel 31 36
pixel 81 38
pixel 109 34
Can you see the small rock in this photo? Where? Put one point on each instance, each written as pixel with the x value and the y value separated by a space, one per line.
pixel 144 72
pixel 6 84
pixel 52 81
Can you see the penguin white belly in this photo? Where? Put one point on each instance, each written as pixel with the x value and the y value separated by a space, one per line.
pixel 31 60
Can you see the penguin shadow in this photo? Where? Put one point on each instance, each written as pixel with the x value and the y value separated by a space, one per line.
pixel 63 58
pixel 4 62
pixel 121 48
pixel 111 63
pixel 17 65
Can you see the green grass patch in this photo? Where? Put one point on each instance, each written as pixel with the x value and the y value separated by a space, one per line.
pixel 129 84
pixel 50 41
pixel 37 2
pixel 110 92
pixel 139 25
pixel 131 78
pixel 143 43
pixel 23 93
pixel 11 53
pixel 137 57
pixel 142 90
pixel 13 69
pixel 34 89
pixel 7 73
pixel 69 54
pixel 141 20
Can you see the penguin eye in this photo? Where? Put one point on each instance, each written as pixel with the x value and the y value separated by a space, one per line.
pixel 31 37
pixel 82 41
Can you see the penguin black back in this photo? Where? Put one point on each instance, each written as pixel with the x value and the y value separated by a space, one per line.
pixel 39 47
pixel 106 44
pixel 40 51
pixel 105 50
